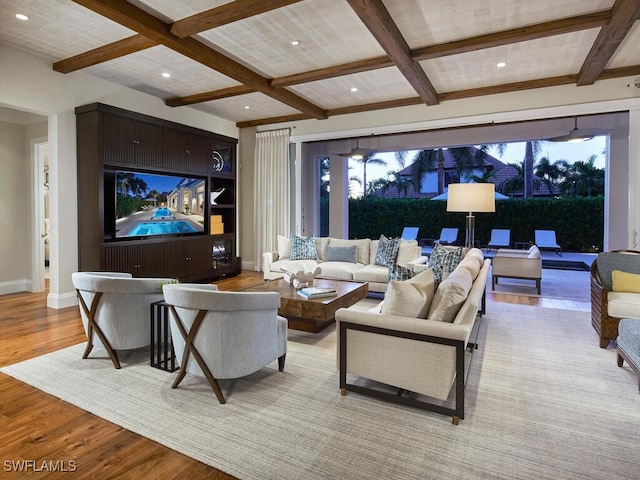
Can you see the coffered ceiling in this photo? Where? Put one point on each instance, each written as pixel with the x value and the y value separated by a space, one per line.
pixel 236 60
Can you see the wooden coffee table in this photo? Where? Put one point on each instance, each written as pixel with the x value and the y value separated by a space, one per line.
pixel 317 314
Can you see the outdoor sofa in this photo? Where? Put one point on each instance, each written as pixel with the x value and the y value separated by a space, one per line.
pixel 513 263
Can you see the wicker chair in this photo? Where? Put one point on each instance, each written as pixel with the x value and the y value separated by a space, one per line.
pixel 605 325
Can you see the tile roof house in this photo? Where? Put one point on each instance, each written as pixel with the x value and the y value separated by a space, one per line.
pixel 502 172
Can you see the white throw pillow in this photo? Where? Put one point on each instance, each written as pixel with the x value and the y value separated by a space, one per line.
pixel 450 295
pixel 406 252
pixel 475 253
pixel 470 264
pixel 534 252
pixel 410 298
pixel 284 247
pixel 321 247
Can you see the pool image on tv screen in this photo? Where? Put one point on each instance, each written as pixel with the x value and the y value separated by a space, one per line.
pixel 148 204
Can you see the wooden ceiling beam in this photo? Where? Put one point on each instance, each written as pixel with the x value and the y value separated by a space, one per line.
pixel 624 13
pixel 515 35
pixel 377 19
pixel 136 19
pixel 457 95
pixel 216 17
pixel 208 96
pixel 224 14
pixel 530 32
pixel 105 53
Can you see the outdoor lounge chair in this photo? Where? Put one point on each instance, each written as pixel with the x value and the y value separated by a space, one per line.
pixel 500 238
pixel 410 233
pixel 448 236
pixel 546 240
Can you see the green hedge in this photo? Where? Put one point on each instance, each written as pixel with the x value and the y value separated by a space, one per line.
pixel 578 221
pixel 128 205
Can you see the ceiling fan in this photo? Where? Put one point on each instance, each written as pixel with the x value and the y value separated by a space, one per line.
pixel 574 136
pixel 358 153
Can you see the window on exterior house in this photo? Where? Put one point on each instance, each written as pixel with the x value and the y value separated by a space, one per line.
pixel 451 177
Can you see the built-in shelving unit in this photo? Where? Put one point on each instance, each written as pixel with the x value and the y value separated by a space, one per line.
pixel 111 139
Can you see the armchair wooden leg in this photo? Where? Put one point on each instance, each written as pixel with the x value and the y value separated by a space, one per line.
pixel 281 362
pixel 190 348
pixel 620 360
pixel 604 342
pixel 92 327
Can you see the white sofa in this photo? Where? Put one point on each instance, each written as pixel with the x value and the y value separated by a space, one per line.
pixel 421 355
pixel 275 263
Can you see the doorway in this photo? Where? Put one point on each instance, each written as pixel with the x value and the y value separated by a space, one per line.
pixel 41 232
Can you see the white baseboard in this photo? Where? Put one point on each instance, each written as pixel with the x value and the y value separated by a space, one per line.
pixel 15 286
pixel 247 265
pixel 62 300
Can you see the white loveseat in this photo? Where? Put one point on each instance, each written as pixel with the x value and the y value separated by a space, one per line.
pixel 425 356
pixel 365 269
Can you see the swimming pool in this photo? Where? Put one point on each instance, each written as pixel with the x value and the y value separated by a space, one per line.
pixel 162 213
pixel 159 228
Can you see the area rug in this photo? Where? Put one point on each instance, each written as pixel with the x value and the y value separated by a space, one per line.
pixel 543 402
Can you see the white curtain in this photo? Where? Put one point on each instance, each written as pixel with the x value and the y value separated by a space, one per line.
pixel 272 191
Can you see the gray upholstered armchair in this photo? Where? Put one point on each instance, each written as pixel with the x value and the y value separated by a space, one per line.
pixel 222 335
pixel 115 310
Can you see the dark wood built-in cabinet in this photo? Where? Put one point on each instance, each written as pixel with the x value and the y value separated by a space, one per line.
pixel 110 139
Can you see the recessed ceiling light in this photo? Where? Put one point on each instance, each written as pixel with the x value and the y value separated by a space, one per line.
pixel 295 42
pixel 501 64
pixel 21 16
pixel 354 89
pixel 247 107
pixel 166 74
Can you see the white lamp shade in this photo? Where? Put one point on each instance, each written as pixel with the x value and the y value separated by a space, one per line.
pixel 471 197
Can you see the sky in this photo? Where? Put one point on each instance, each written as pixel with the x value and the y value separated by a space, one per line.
pixel 514 153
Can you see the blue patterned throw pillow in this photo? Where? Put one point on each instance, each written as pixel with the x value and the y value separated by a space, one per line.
pixel 398 272
pixel 303 248
pixel 443 261
pixel 387 251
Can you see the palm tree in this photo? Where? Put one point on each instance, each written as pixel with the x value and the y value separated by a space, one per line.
pixel 486 177
pixel 401 157
pixel 549 172
pixel 397 181
pixel 465 158
pixel 532 149
pixel 585 179
pixel 154 194
pixel 369 160
pixel 516 184
pixel 125 181
pixel 139 187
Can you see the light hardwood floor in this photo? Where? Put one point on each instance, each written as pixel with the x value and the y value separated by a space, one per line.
pixel 39 427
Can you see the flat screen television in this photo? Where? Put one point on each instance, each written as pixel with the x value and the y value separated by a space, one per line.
pixel 142 205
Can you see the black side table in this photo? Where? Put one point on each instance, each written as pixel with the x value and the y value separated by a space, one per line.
pixel 162 355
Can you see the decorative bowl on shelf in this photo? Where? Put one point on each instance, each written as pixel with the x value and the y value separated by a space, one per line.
pixel 215 194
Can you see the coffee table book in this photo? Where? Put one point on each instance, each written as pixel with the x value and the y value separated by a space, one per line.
pixel 316 292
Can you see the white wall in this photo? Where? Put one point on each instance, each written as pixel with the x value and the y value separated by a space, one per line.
pixel 14 209
pixel 31 85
